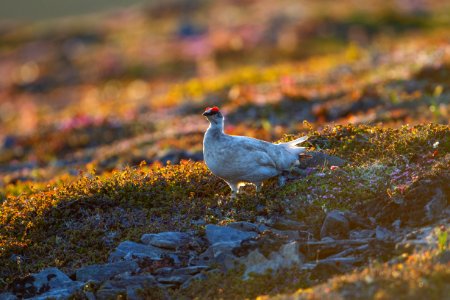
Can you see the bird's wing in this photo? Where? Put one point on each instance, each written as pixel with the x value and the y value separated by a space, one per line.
pixel 244 149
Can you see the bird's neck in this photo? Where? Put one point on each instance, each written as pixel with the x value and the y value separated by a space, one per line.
pixel 216 126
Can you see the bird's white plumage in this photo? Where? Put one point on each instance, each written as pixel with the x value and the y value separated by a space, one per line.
pixel 240 159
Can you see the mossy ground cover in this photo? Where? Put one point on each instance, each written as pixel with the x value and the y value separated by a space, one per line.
pixel 78 220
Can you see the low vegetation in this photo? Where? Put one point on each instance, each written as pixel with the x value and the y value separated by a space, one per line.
pixel 48 225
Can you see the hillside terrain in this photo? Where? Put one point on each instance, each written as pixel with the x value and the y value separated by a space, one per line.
pixel 104 193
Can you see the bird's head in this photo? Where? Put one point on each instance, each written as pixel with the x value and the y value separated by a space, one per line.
pixel 213 115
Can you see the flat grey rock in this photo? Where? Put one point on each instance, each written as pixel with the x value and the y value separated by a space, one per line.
pixel 335 225
pixel 192 270
pixel 289 234
pixel 61 293
pixel 356 221
pixel 215 250
pixel 175 279
pixel 52 277
pixel 133 280
pixel 219 234
pixel 436 205
pixel 7 296
pixel 314 250
pixel 285 224
pixel 396 225
pixel 287 256
pixel 42 282
pixel 130 250
pixel 383 234
pixel 106 271
pixel 361 234
pixel 167 240
pixel 219 253
pixel 125 285
pixel 164 271
pixel 244 226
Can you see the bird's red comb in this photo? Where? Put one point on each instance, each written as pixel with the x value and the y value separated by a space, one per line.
pixel 214 109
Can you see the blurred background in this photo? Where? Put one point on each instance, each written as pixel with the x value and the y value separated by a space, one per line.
pixel 108 84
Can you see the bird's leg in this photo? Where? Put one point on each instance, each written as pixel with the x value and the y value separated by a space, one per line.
pixel 258 186
pixel 234 189
pixel 282 178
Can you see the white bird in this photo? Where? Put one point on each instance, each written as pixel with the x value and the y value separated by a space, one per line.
pixel 239 159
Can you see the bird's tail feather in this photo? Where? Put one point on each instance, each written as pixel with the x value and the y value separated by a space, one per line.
pixel 296 141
